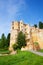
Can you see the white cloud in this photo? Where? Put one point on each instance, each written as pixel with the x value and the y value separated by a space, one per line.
pixel 14 9
pixel 11 6
pixel 9 9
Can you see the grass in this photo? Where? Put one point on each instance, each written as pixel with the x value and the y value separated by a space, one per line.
pixel 21 58
pixel 41 50
pixel 4 51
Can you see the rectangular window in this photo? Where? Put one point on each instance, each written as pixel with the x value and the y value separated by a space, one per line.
pixel 12 27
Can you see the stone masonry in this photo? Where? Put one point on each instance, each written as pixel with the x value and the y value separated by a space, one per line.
pixel 32 34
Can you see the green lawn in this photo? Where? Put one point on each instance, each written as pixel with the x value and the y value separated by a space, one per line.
pixel 41 50
pixel 21 58
pixel 4 51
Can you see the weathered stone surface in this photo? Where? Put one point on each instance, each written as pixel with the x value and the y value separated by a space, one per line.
pixel 13 52
pixel 32 35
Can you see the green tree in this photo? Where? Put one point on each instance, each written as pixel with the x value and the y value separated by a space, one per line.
pixel 40 25
pixel 8 40
pixel 3 41
pixel 21 40
pixel 35 25
pixel 0 44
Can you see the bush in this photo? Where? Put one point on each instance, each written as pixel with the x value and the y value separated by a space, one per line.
pixel 35 43
pixel 36 46
pixel 15 46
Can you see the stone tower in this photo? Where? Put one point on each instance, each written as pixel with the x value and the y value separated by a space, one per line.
pixel 16 27
pixel 32 34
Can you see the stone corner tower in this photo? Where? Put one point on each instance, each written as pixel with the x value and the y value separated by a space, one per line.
pixel 16 27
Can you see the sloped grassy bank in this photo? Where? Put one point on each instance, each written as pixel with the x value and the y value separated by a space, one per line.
pixel 21 58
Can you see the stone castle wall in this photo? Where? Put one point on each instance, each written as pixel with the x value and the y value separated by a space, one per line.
pixel 37 36
pixel 32 34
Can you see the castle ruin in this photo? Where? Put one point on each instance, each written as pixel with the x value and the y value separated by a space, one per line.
pixel 32 35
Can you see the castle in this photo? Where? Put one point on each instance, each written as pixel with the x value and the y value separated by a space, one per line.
pixel 32 35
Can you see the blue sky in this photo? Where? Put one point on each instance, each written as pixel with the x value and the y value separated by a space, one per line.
pixel 30 11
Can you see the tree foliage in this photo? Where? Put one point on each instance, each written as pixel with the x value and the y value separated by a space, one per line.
pixel 3 41
pixel 21 40
pixel 8 40
pixel 35 25
pixel 15 46
pixel 40 25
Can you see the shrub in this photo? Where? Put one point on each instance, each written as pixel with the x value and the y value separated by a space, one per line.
pixel 36 46
pixel 35 43
pixel 15 46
